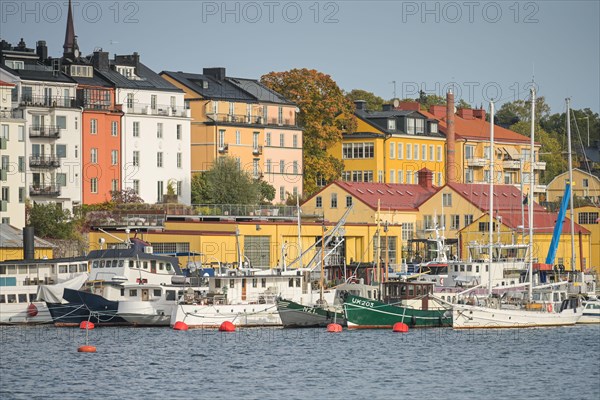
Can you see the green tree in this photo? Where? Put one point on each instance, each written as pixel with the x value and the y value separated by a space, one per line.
pixel 374 103
pixel 520 110
pixel 325 113
pixel 463 104
pixel 125 196
pixel 266 191
pixel 50 221
pixel 557 123
pixel 199 188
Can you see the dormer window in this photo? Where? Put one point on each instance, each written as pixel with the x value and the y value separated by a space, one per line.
pixel 410 126
pixel 433 128
pixel 85 71
pixel 391 124
pixel 127 72
pixel 15 64
pixel 420 126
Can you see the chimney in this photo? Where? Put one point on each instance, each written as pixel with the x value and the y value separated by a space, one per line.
pixel 425 178
pixel 216 73
pixel 450 139
pixel 100 60
pixel 387 107
pixel 409 106
pixel 42 50
pixel 438 111
pixel 360 105
pixel 136 59
pixel 28 243
pixel 479 113
pixel 465 113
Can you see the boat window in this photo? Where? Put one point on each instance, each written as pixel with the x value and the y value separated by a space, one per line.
pixel 168 266
pixel 83 267
pixel 122 292
pixel 12 298
pixel 62 269
pixel 11 269
pixel 536 296
pixel 73 268
pixel 231 283
pixel 23 269
pixel 403 291
pixel 411 290
pixel 157 292
pixel 170 295
pixel 132 292
pixel 469 268
pixel 462 268
pixel 487 267
pixel 477 268
pixel 121 263
pixel 298 282
pixel 217 283
pixel 456 268
pixel 32 297
pixel 161 266
pixel 2 298
pixel 556 297
pixel 563 295
pixel 418 290
pixel 263 282
pixel 101 263
pixel 291 282
pixel 2 269
pixel 115 263
pixel 145 264
pixel 22 297
pixel 254 282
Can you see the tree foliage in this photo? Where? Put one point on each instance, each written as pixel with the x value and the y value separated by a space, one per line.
pixel 374 102
pixel 520 110
pixel 325 113
pixel 50 221
pixel 125 196
pixel 226 183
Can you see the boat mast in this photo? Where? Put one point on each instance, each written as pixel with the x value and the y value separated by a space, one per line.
pixel 378 253
pixel 573 255
pixel 299 230
pixel 491 213
pixel 322 278
pixel 531 187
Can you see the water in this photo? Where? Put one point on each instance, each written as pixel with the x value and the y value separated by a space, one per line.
pixel 155 363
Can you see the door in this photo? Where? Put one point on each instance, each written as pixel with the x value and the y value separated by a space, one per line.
pixel 153 266
pixel 145 296
pixel 243 289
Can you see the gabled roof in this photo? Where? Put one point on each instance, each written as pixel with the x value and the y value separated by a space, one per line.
pixel 392 196
pixel 506 197
pixel 261 92
pixel 13 237
pixel 150 80
pixel 564 175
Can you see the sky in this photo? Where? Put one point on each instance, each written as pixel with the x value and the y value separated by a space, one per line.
pixel 482 49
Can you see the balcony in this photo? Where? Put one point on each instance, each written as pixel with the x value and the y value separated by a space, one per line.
pixel 281 122
pixel 223 149
pixel 11 114
pixel 477 162
pixel 235 119
pixel 44 162
pixel 540 165
pixel 511 164
pixel 48 132
pixel 257 150
pixel 44 190
pixel 162 110
pixel 48 101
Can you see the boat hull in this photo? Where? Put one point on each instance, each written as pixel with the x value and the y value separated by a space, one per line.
pixel 17 313
pixel 85 306
pixel 212 316
pixel 295 315
pixel 476 317
pixel 363 313
pixel 144 313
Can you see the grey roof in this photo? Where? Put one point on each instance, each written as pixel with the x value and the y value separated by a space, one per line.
pixel 232 89
pixel 11 237
pixel 378 119
pixel 39 72
pixel 150 80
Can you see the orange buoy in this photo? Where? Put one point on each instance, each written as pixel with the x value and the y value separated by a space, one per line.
pixel 227 327
pixel 180 326
pixel 86 325
pixel 400 327
pixel 32 310
pixel 334 328
pixel 86 349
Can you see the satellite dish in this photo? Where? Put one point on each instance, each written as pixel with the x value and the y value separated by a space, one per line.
pixel 396 103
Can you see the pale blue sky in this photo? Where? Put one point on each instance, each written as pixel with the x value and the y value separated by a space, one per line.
pixel 488 49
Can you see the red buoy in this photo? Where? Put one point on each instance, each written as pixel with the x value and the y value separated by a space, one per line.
pixel 400 327
pixel 86 349
pixel 32 310
pixel 180 326
pixel 86 325
pixel 334 328
pixel 227 327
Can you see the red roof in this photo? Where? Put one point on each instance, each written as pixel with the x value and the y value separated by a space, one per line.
pixel 2 83
pixel 392 196
pixel 543 222
pixel 506 197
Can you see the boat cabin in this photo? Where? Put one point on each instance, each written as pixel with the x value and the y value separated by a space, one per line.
pixel 408 293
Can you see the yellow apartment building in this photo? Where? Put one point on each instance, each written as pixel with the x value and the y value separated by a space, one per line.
pixel 589 218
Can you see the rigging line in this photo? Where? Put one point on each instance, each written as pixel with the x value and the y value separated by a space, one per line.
pixel 588 169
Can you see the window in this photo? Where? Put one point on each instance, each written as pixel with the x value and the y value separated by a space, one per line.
pixel 392 151
pixel 410 126
pixel 4 133
pixel 136 186
pixel 416 152
pixel 392 176
pixel 409 177
pixel 61 122
pixel 114 128
pixel 454 222
pixel 268 166
pixel 358 150
pixel 179 188
pixel 589 218
pixel 391 124
pixel 21 195
pixel 400 176
pixel 409 152
pixel 281 193
pixel 21 133
pixel 348 201
pixel 159 191
pixel 469 151
pixel 153 102
pixel 439 179
pixel 486 152
pixel 268 139
pixel 159 159
pixel 439 153
pixel 255 168
pixel 179 160
pixel 221 139
pixel 333 200
pixel 281 140
pixel 469 175
pixel 586 182
pixel 94 156
pixel 255 140
pixel 61 150
pixel 159 130
pixel 295 141
pixel 280 116
pixel 468 219
pixel 433 127
pixel 179 128
pixel 136 129
pixel 431 158
pixel 114 157
pixel 380 176
pixel 114 185
pixel 424 152
pixel 129 100
pixel 407 230
pixel 5 193
pixel 93 126
pixel 447 199
pixel 94 185
pixel 61 179
pixel 485 226
pixel 400 151
pixel 281 166
pixel 238 137
pixel 136 158
pixel 295 167
pixel 318 202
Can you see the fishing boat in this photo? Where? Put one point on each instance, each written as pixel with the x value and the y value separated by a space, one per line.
pixel 410 302
pixel 591 311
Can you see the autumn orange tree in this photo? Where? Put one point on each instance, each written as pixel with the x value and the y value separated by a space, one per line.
pixel 325 113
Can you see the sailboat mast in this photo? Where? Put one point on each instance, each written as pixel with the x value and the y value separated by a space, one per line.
pixel 573 254
pixel 491 213
pixel 322 277
pixel 299 230
pixel 531 187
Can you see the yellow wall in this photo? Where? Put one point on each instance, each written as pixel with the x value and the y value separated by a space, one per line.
pixel 556 188
pixel 541 243
pixel 594 238
pixel 17 253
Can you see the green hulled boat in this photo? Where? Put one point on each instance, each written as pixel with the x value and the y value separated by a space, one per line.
pixel 295 315
pixel 409 302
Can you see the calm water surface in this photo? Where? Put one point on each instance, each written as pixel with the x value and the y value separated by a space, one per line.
pixel 159 363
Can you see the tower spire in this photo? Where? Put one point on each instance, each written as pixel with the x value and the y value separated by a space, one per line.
pixel 70 48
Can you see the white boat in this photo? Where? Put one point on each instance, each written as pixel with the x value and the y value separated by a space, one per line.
pixel 591 311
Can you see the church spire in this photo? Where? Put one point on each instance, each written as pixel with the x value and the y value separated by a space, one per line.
pixel 70 48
